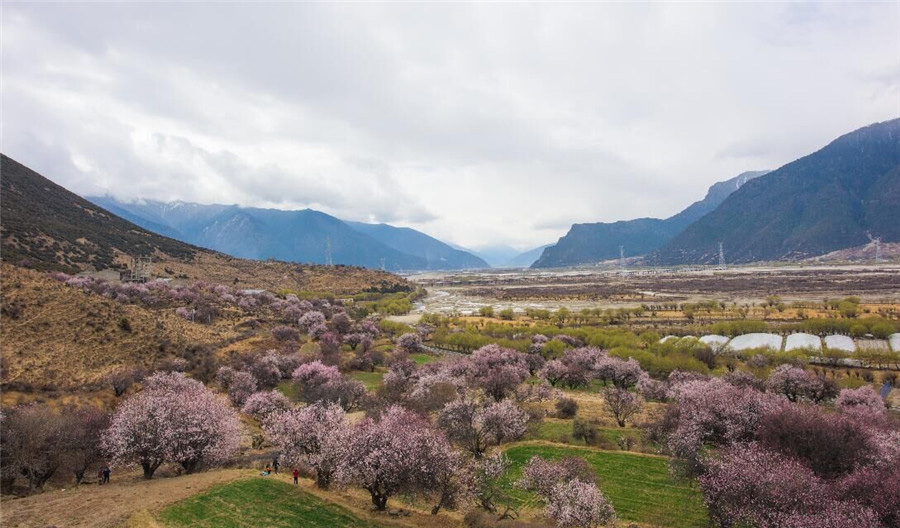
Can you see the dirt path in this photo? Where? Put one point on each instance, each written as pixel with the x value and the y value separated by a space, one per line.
pixel 111 505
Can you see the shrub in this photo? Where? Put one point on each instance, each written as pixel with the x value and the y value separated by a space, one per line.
pixel 566 408
pixel 285 333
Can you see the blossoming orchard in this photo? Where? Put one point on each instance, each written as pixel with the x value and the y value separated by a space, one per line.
pixel 520 422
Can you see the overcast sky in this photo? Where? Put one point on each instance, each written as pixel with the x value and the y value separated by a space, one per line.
pixel 478 124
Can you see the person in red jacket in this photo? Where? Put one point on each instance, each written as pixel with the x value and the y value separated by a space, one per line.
pixel 296 475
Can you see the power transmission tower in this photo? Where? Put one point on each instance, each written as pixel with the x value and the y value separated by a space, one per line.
pixel 721 256
pixel 622 257
pixel 877 250
pixel 328 252
pixel 382 263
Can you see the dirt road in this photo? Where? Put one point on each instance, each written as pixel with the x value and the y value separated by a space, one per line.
pixel 110 505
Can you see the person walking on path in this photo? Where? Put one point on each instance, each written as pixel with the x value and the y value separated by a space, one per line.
pixel 296 475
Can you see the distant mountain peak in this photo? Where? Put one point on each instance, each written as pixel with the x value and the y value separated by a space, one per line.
pixel 302 235
pixel 835 198
pixel 594 242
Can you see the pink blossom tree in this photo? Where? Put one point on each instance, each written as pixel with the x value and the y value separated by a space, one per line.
pixel 450 480
pixel 174 418
pixel 710 412
pixel 796 383
pixel 504 421
pixel 652 389
pixel 476 426
pixel 354 339
pixel 579 504
pixel 555 372
pixel 489 488
pixel 748 485
pixel 623 374
pixel 320 382
pixel 311 319
pixel 317 331
pixel 285 333
pixel 541 475
pixel 410 343
pixel 622 403
pixel 742 378
pixel 266 369
pixel 537 344
pixel 830 444
pixel 241 386
pixel 341 323
pixel 391 455
pixel 862 400
pixel 497 370
pixel 261 405
pixel 314 435
pixel 313 376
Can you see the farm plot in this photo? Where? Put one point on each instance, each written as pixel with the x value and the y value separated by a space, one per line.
pixel 257 502
pixel 639 486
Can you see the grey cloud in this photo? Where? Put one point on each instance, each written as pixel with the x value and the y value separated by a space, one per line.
pixel 477 123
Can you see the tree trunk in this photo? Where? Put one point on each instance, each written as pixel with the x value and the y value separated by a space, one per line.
pixel 323 480
pixel 149 468
pixel 6 484
pixel 439 505
pixel 190 465
pixel 379 500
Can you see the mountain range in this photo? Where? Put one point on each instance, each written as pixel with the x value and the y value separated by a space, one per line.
pixel 590 243
pixel 842 196
pixel 295 236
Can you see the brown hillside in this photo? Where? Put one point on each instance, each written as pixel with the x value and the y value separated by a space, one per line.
pixel 57 337
pixel 46 227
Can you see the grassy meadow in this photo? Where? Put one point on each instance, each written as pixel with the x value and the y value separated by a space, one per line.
pixel 639 486
pixel 258 502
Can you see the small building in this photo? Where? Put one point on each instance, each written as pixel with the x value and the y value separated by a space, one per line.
pixel 139 270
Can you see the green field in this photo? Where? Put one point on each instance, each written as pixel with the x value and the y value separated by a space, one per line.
pixel 289 389
pixel 371 380
pixel 556 430
pixel 257 502
pixel 639 486
pixel 421 359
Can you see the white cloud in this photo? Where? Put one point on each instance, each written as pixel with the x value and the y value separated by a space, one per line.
pixel 480 124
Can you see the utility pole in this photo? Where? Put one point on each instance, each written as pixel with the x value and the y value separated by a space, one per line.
pixel 382 263
pixel 622 258
pixel 328 251
pixel 721 256
pixel 877 250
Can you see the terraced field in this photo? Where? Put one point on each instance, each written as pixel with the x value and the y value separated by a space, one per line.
pixel 258 502
pixel 639 486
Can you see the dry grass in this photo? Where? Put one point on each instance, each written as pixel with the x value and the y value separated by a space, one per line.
pixel 273 275
pixel 64 338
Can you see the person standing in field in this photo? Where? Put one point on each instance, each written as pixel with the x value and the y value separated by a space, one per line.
pixel 296 475
pixel 275 464
pixel 106 472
